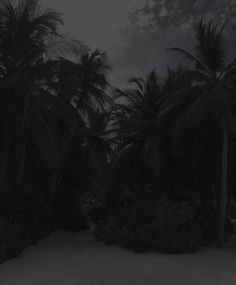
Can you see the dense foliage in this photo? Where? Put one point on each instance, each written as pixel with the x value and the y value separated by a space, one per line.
pixel 138 213
pixel 149 165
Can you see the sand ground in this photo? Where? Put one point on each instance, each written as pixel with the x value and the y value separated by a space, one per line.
pixel 67 258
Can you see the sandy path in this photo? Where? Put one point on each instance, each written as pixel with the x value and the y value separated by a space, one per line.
pixel 77 259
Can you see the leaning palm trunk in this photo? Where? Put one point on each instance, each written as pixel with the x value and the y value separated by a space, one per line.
pixel 223 196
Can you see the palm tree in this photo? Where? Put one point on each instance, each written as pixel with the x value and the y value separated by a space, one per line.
pixel 211 96
pixel 26 32
pixel 98 146
pixel 176 79
pixel 136 117
pixel 60 95
pixel 137 112
pixel 82 82
pixel 93 82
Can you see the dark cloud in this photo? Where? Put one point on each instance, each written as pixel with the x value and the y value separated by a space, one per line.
pixel 160 24
pixel 179 15
pixel 135 45
pixel 100 24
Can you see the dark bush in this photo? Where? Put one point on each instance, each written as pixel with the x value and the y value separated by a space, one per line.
pixel 66 209
pixel 141 218
pixel 24 219
pixel 11 240
pixel 176 229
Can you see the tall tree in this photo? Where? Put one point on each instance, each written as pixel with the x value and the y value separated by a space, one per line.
pixel 26 33
pixel 211 97
pixel 82 82
pixel 136 113
pixel 93 81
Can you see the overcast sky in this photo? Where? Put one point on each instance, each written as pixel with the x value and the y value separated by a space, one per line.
pixel 105 24
pixel 100 24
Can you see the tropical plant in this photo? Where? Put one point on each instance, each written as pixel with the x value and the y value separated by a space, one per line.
pixel 93 67
pixel 28 34
pixel 136 112
pixel 211 97
pixel 82 82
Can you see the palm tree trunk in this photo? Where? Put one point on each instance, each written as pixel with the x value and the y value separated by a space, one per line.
pixel 214 199
pixel 223 196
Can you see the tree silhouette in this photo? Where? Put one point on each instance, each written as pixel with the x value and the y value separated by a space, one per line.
pixel 83 81
pixel 26 32
pixel 136 118
pixel 93 82
pixel 212 96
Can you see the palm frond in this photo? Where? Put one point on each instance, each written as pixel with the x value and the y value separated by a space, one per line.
pixel 210 47
pixel 199 65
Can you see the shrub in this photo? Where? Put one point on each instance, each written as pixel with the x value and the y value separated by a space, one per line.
pixel 66 209
pixel 11 240
pixel 177 229
pixel 174 230
pixel 207 219
pixel 142 218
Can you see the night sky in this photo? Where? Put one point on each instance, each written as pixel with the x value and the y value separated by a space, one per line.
pixel 135 33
